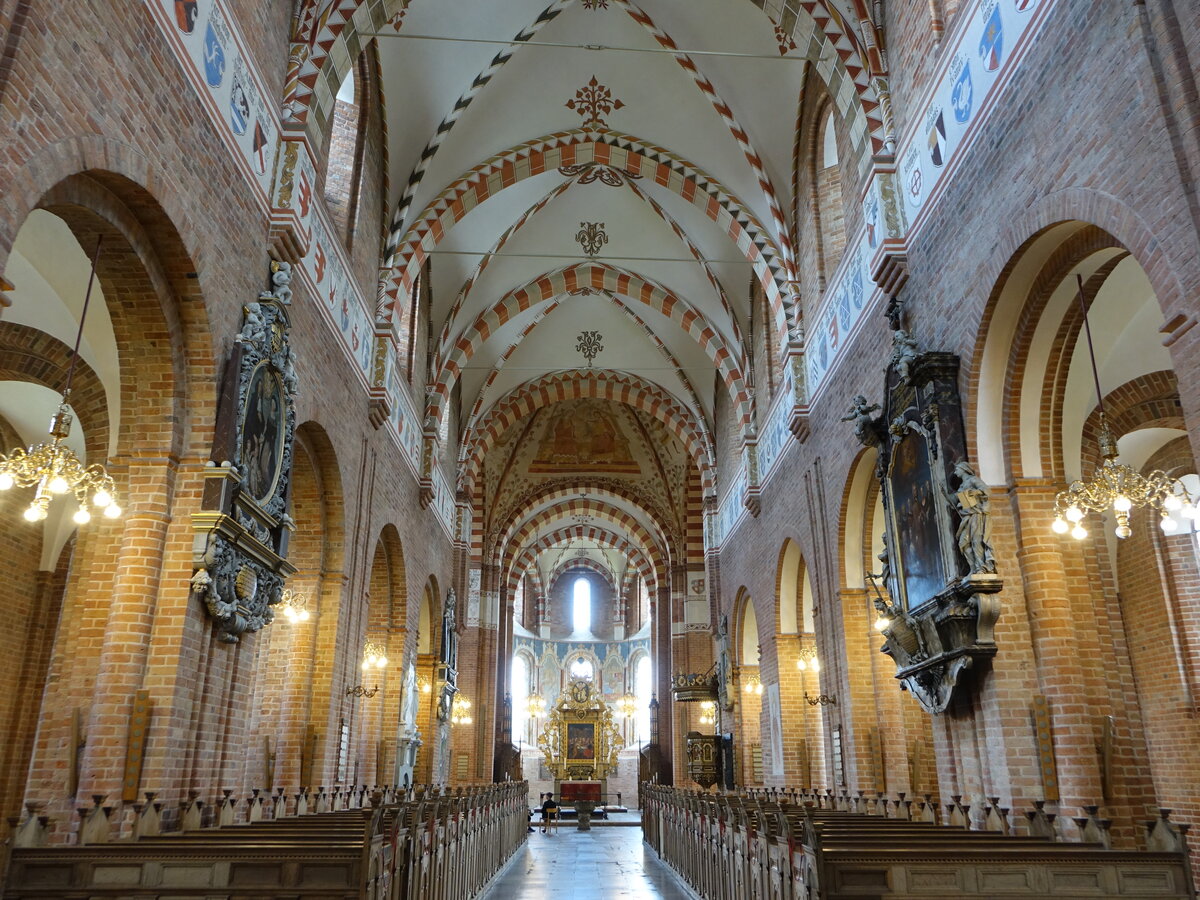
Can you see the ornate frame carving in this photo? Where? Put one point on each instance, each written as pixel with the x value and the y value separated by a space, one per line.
pixel 937 561
pixel 240 548
pixel 580 705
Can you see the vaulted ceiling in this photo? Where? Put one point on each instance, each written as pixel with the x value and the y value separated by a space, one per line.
pixel 664 129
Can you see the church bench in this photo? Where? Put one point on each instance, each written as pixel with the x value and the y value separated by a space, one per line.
pixel 736 846
pixel 433 846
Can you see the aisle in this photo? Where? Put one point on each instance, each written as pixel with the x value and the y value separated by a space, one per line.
pixel 607 863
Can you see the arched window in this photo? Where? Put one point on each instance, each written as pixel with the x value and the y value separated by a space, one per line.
pixel 520 694
pixel 581 605
pixel 827 185
pixel 343 170
pixel 643 689
pixel 582 668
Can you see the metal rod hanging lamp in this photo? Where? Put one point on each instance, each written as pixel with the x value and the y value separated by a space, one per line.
pixel 1116 486
pixel 52 466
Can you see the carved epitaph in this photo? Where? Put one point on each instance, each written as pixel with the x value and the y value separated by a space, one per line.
pixel 937 564
pixel 242 532
pixel 449 657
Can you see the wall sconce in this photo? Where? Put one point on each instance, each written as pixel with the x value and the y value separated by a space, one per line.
pixel 823 699
pixel 808 661
pixel 424 684
pixel 294 605
pixel 373 657
pixel 753 684
pixel 708 713
pixel 359 691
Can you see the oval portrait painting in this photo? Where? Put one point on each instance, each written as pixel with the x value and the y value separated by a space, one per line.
pixel 262 433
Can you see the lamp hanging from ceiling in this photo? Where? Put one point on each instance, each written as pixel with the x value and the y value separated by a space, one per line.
pixel 1115 485
pixel 53 466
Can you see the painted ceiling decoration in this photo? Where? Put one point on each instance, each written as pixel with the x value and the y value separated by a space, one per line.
pixel 593 231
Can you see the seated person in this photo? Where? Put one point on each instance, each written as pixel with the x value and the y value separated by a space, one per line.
pixel 548 806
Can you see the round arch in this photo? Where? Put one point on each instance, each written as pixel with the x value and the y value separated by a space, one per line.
pixel 604 278
pixel 597 384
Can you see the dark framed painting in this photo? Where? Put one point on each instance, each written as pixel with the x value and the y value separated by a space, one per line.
pixel 263 421
pixel 914 502
pixel 581 741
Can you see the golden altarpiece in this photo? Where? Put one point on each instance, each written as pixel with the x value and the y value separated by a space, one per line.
pixel 581 742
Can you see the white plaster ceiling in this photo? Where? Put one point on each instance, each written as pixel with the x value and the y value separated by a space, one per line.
pixel 524 100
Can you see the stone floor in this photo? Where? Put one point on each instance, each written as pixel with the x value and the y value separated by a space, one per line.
pixel 607 863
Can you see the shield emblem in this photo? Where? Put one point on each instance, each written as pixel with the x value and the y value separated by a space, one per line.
pixel 214 58
pixel 260 147
pixel 185 15
pixel 991 44
pixel 937 140
pixel 962 95
pixel 239 107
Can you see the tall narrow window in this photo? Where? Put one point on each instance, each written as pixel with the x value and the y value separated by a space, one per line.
pixel 643 689
pixel 828 185
pixel 581 606
pixel 520 697
pixel 344 165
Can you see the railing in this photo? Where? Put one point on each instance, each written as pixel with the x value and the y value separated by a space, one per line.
pixel 798 845
pixel 354 844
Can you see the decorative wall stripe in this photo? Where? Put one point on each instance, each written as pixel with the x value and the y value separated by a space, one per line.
pixel 987 53
pixel 212 53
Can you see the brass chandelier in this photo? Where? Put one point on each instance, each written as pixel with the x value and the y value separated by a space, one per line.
pixel 460 710
pixel 53 466
pixel 1114 485
pixel 627 706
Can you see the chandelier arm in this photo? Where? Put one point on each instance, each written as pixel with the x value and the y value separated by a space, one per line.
pixel 87 299
pixel 1091 350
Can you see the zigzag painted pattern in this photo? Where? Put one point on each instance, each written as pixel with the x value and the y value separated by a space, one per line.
pixel 599 277
pixel 464 102
pixel 576 148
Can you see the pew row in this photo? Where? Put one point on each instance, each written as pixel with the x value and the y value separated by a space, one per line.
pixel 440 846
pixel 736 847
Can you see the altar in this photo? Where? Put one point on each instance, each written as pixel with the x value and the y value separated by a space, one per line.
pixel 580 742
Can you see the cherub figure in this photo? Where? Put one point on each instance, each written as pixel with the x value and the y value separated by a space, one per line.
pixel 904 353
pixel 860 414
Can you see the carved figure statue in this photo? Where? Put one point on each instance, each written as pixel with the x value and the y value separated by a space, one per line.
pixel 255 330
pixel 885 563
pixel 974 525
pixel 450 631
pixel 860 414
pixel 724 665
pixel 904 353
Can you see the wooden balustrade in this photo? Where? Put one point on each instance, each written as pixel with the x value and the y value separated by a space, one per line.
pixel 419 844
pixel 798 845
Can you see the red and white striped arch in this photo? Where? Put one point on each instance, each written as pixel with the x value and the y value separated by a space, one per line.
pixel 577 147
pixel 549 492
pixel 691 402
pixel 517 560
pixel 556 192
pixel 328 35
pixel 598 384
pixel 537 515
pixel 583 562
pixel 602 277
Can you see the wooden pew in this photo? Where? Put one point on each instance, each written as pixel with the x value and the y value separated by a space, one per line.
pixel 432 845
pixel 737 847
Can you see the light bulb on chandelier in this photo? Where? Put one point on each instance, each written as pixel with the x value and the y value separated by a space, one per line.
pixel 1115 487
pixel 53 466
